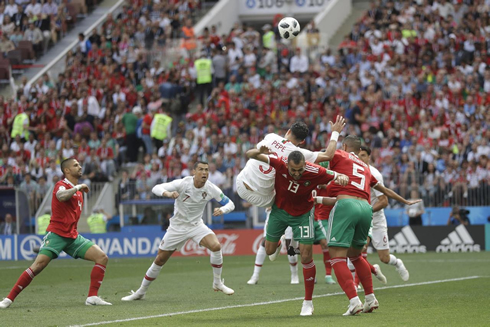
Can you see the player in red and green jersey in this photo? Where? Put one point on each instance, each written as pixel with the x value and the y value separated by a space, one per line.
pixel 62 235
pixel 350 220
pixel 294 182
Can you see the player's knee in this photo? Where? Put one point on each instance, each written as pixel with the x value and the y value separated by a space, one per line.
pixel 215 247
pixel 103 259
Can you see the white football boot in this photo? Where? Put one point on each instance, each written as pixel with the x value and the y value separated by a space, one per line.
pixel 134 296
pixel 379 275
pixel 354 308
pixel 370 303
pixel 222 288
pixel 5 303
pixel 307 309
pixel 400 267
pixel 95 300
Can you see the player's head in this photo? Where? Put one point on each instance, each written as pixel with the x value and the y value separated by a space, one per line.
pixel 298 132
pixel 351 143
pixel 71 168
pixel 365 154
pixel 201 171
pixel 296 164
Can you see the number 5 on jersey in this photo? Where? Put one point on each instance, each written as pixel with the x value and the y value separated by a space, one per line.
pixel 358 172
pixel 293 186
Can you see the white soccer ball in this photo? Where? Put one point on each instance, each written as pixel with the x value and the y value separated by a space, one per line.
pixel 288 28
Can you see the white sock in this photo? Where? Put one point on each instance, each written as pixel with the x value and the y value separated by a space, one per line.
pixel 294 244
pixel 354 300
pixel 393 260
pixel 216 260
pixel 370 297
pixel 151 275
pixel 259 260
pixel 293 264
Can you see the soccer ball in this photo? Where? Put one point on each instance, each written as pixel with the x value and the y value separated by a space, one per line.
pixel 289 28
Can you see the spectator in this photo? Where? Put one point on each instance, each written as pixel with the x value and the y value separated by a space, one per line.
pixel 130 121
pixel 8 227
pixel 97 221
pixel 149 217
pixel 299 62
pixel 43 222
pixel 415 212
pixel 458 217
pixel 34 35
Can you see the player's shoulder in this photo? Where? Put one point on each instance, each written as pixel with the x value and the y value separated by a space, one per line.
pixel 211 187
pixel 313 168
pixel 62 184
pixel 374 171
pixel 272 136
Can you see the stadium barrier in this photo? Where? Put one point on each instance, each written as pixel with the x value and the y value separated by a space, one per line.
pixel 436 216
pixel 144 243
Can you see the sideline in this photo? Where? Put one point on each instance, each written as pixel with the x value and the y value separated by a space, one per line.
pixel 270 302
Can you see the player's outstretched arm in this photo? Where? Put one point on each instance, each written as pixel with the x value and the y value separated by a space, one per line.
pixel 259 154
pixel 381 204
pixel 337 127
pixel 392 194
pixel 65 195
pixel 166 190
pixel 328 201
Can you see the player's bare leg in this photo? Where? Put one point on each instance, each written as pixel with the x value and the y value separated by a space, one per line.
pixel 364 272
pixel 211 242
pixel 309 272
pixel 25 279
pixel 274 248
pixel 151 274
pixel 344 278
pixel 95 254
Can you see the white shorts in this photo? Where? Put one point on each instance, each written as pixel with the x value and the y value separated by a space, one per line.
pixel 175 237
pixel 380 239
pixel 255 198
pixel 288 232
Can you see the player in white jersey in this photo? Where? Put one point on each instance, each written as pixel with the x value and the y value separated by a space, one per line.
pixel 380 242
pixel 191 195
pixel 255 184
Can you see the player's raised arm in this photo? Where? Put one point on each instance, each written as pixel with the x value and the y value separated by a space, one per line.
pixel 259 154
pixel 337 127
pixel 66 194
pixel 168 190
pixel 392 194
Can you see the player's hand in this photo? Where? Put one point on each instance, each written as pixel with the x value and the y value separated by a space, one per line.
pixel 409 203
pixel 339 124
pixel 217 212
pixel 265 150
pixel 172 195
pixel 84 188
pixel 342 179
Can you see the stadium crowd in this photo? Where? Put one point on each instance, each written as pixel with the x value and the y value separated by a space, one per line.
pixel 411 78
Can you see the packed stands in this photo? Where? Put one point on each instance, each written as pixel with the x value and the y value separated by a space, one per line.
pixel 411 78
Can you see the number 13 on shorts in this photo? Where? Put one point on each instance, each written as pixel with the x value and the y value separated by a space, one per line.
pixel 304 231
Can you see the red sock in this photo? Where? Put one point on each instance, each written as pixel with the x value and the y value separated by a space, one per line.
pixel 362 269
pixel 356 279
pixel 309 273
pixel 344 276
pixel 24 280
pixel 326 261
pixel 364 256
pixel 96 278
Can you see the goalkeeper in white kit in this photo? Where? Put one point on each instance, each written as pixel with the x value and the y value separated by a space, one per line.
pixel 191 195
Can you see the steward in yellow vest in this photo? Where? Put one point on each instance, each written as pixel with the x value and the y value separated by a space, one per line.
pixel 43 222
pixel 21 124
pixel 97 221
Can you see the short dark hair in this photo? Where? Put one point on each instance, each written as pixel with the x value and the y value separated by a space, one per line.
pixel 64 164
pixel 300 130
pixel 366 149
pixel 200 162
pixel 297 157
pixel 353 142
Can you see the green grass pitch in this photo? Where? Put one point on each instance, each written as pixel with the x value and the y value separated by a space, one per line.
pixel 56 297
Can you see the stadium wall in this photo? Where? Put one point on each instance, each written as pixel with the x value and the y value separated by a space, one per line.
pixel 224 14
pixel 329 20
pixel 144 243
pixel 436 216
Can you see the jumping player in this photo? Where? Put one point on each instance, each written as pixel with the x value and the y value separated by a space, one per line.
pixel 379 239
pixel 66 207
pixel 294 182
pixel 350 220
pixel 191 195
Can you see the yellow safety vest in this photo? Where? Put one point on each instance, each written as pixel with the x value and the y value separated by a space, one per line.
pixel 203 70
pixel 43 223
pixel 18 126
pixel 97 224
pixel 160 126
pixel 268 40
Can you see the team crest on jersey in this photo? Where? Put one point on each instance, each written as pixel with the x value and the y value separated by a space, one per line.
pixel 204 195
pixel 307 183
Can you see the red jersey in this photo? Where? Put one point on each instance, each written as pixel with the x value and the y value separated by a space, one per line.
pixel 294 196
pixel 360 178
pixel 65 215
pixel 322 212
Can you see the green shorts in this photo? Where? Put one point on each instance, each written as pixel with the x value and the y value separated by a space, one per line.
pixel 321 230
pixel 305 229
pixel 53 245
pixel 370 233
pixel 349 223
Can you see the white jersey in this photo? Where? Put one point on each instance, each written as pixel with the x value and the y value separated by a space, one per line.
pixel 190 204
pixel 379 218
pixel 260 176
